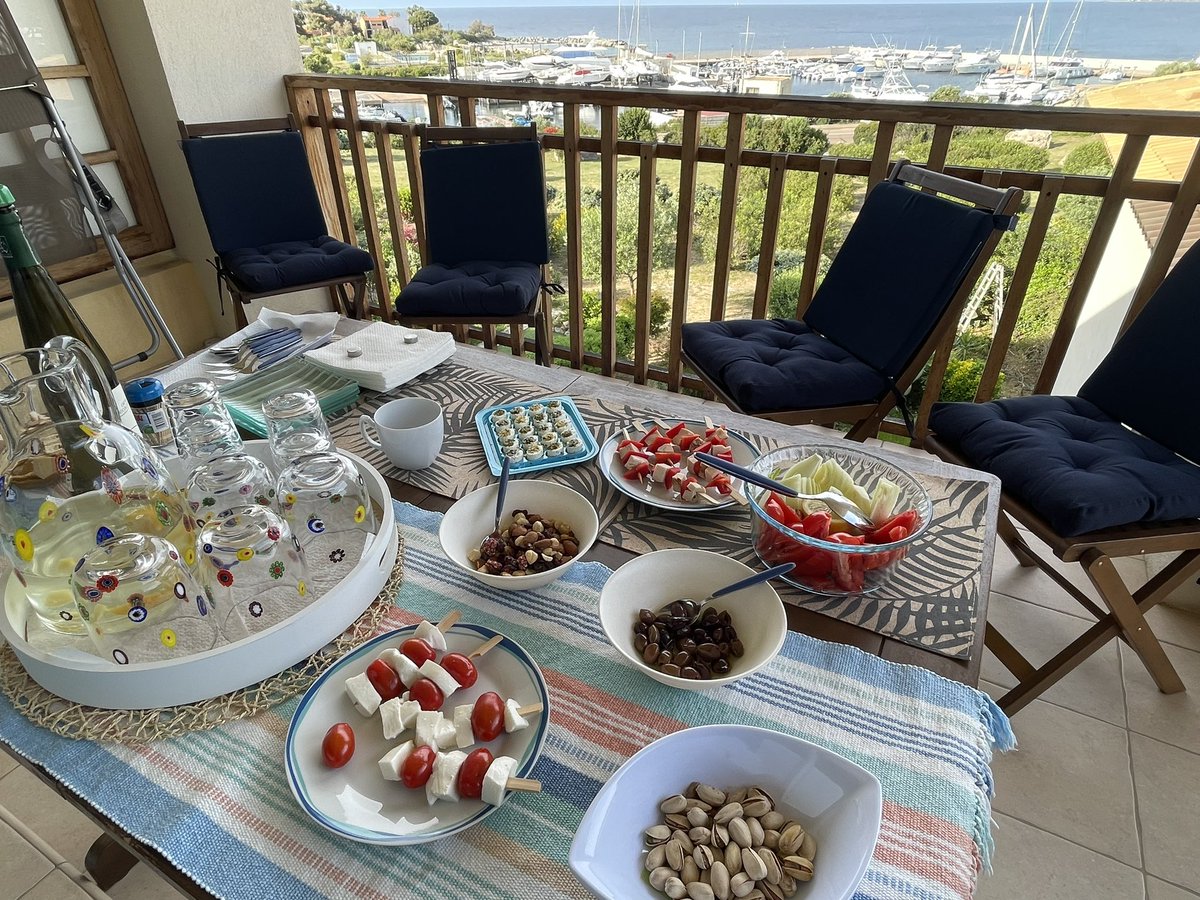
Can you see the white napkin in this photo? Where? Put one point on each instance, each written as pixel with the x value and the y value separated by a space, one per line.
pixel 386 361
pixel 363 812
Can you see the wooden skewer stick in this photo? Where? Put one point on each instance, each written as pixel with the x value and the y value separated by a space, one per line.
pixel 708 498
pixel 531 709
pixel 449 620
pixel 531 785
pixel 738 497
pixel 485 646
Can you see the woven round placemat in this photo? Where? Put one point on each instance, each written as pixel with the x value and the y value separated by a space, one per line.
pixel 132 726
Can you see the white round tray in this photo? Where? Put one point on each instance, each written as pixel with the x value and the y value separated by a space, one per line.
pixel 90 680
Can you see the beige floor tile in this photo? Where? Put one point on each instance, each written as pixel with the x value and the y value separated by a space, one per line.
pixel 1034 586
pixel 143 884
pixel 7 763
pixel 21 865
pixel 1070 776
pixel 1175 626
pixel 51 817
pixel 1173 718
pixel 1166 778
pixel 1156 889
pixel 56 886
pixel 1029 862
pixel 1094 688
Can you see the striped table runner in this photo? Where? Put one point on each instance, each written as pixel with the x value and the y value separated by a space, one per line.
pixel 216 804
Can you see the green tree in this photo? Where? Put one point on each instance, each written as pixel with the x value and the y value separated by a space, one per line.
pixel 662 248
pixel 1089 158
pixel 481 31
pixel 784 134
pixel 420 18
pixel 318 61
pixel 1177 68
pixel 633 124
pixel 947 93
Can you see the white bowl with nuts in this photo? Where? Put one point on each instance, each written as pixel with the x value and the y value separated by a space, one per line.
pixel 553 526
pixel 730 811
pixel 655 579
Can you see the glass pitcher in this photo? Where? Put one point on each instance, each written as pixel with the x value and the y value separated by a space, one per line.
pixel 71 480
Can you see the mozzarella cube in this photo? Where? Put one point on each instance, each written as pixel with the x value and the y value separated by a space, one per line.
pixel 439 676
pixel 389 713
pixel 426 728
pixel 428 632
pixel 464 732
pixel 389 765
pixel 496 780
pixel 408 712
pixel 445 733
pixel 445 774
pixel 513 720
pixel 363 694
pixel 403 666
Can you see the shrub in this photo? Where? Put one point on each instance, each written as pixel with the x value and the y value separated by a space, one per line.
pixel 1089 158
pixel 959 385
pixel 785 292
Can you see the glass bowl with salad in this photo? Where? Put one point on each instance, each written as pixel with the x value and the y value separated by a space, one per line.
pixel 832 557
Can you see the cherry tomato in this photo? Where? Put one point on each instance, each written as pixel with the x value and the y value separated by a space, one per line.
pixel 487 718
pixel 474 767
pixel 417 650
pixel 428 694
pixel 338 745
pixel 385 680
pixel 417 767
pixel 461 668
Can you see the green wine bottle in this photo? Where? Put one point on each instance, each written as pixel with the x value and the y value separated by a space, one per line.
pixel 42 310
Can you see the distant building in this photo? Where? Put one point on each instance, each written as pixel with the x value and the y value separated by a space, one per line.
pixel 767 84
pixel 372 24
pixel 365 48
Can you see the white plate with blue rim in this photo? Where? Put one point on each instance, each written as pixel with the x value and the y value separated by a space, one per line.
pixel 507 669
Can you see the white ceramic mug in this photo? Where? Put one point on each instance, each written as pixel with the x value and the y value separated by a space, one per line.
pixel 409 431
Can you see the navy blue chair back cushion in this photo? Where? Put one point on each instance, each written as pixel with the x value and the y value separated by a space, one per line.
pixel 1150 378
pixel 896 273
pixel 485 202
pixel 254 189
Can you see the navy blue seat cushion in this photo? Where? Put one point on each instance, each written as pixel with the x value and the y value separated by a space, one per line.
pixel 274 267
pixel 1067 460
pixel 471 289
pixel 769 365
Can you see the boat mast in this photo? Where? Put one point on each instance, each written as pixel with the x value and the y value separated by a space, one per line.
pixel 1013 46
pixel 1038 40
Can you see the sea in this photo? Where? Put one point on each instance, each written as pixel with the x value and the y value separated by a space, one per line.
pixel 1106 30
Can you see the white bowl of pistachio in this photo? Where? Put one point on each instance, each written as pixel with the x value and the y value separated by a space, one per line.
pixel 721 811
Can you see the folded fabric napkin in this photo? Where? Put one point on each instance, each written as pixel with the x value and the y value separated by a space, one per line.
pixel 386 361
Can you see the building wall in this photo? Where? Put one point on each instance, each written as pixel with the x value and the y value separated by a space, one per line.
pixel 225 62
pixel 1107 302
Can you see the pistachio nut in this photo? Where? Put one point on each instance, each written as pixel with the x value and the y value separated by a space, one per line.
pixel 699 835
pixel 710 794
pixel 691 790
pixel 788 885
pixel 674 854
pixel 770 838
pixel 697 816
pixel 691 871
pixel 675 889
pixel 755 894
pixel 774 869
pixel 736 796
pixel 656 834
pixel 757 806
pixel 733 858
pixel 698 890
pixel 718 878
pixel 677 820
pixel 739 832
pixel 673 804
pixel 772 821
pixel 656 857
pixel 753 865
pixel 684 839
pixel 704 857
pixel 720 837
pixel 727 812
pixel 770 891
pixel 756 832
pixel 798 867
pixel 808 847
pixel 790 839
pixel 759 792
pixel 697 803
pixel 740 884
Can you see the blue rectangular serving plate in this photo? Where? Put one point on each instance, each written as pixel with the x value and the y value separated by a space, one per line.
pixel 491 447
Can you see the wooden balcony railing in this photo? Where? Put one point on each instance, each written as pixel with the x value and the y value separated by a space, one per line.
pixel 339 172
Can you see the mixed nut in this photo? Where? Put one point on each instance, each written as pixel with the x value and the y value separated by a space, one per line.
pixel 528 544
pixel 671 643
pixel 717 845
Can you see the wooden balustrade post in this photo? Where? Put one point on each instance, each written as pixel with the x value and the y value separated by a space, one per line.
pixel 366 201
pixel 571 181
pixel 734 136
pixel 770 234
pixel 816 233
pixel 608 239
pixel 683 244
pixel 645 262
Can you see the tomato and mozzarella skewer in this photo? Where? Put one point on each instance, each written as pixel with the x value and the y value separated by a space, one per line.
pixel 484 720
pixel 454 775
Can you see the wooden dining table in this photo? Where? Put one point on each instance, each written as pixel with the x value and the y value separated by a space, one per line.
pixel 116 851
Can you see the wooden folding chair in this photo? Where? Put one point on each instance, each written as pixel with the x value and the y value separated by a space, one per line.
pixel 891 295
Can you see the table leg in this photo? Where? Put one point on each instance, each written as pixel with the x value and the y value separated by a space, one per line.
pixel 108 861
